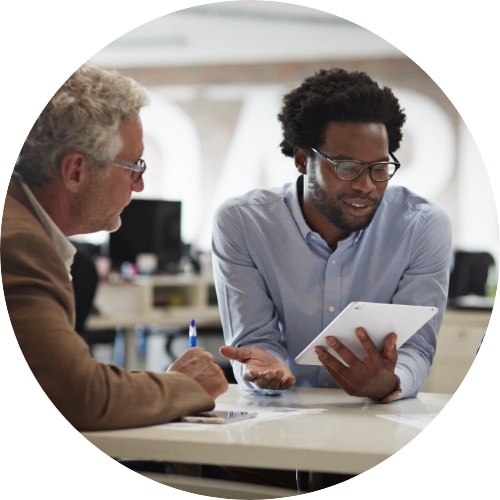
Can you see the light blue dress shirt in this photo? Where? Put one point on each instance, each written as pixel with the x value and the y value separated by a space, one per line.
pixel 279 284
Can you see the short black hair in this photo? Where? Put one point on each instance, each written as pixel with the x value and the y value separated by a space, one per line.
pixel 337 95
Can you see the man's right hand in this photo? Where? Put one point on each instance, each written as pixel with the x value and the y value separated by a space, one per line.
pixel 261 368
pixel 200 365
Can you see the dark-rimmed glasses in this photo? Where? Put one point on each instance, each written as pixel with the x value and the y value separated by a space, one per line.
pixel 348 170
pixel 138 168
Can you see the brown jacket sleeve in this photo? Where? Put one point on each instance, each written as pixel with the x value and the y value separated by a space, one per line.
pixel 40 301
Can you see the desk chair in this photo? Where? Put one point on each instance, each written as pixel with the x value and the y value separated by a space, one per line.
pixel 85 281
pixel 469 273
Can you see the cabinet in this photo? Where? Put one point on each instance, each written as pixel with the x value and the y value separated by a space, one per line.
pixel 171 300
pixel 458 341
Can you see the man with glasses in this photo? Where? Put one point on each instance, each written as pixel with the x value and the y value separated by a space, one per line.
pixel 75 174
pixel 288 260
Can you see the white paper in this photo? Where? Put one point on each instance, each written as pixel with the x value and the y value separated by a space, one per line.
pixel 266 413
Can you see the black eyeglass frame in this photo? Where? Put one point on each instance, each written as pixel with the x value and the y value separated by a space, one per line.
pixel 139 167
pixel 366 166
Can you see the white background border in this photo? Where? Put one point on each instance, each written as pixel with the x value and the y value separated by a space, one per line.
pixel 43 42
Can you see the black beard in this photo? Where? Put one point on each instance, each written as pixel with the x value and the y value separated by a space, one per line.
pixel 336 216
pixel 333 210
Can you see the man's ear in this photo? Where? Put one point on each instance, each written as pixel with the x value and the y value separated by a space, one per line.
pixel 73 170
pixel 300 157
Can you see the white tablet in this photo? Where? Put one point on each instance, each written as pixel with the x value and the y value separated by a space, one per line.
pixel 379 320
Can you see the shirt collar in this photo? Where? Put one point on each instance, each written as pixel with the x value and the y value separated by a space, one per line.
pixel 293 198
pixel 63 245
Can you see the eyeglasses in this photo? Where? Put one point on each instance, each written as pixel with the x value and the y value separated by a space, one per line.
pixel 138 168
pixel 348 170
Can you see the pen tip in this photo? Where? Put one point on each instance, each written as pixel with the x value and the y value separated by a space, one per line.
pixel 192 322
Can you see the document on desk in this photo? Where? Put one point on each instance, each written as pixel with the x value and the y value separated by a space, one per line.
pixel 419 421
pixel 273 412
pixel 264 413
pixel 379 320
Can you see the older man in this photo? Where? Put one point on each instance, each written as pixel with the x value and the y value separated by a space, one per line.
pixel 75 174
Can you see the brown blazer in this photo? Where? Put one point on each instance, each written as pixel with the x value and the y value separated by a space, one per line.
pixel 40 301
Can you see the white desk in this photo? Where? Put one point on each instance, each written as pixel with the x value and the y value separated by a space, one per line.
pixel 349 437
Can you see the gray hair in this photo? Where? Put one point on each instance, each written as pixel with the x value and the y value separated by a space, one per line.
pixel 83 116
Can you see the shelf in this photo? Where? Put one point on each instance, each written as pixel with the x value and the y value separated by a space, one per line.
pixel 458 341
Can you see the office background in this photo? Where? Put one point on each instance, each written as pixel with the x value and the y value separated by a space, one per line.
pixel 461 53
pixel 217 73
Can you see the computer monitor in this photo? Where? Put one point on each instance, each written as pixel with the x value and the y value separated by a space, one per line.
pixel 149 226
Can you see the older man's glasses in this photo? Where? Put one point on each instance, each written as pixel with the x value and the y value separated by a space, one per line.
pixel 348 170
pixel 138 168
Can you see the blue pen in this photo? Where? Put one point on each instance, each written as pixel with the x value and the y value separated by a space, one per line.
pixel 192 333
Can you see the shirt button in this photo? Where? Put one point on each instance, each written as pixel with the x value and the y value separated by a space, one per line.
pixel 331 308
pixel 333 262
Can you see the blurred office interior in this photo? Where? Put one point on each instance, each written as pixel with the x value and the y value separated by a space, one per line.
pixel 217 73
